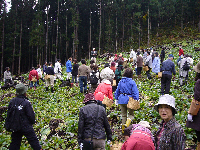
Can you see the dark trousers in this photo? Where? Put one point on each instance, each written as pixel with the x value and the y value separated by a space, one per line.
pixel 139 69
pixel 165 83
pixel 198 135
pixel 83 83
pixel 29 133
pixel 148 73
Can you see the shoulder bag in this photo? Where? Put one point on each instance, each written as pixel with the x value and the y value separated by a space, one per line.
pixel 194 107
pixel 88 145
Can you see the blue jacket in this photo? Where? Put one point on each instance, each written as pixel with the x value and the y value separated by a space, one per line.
pixel 126 88
pixel 156 65
pixel 168 67
pixel 68 66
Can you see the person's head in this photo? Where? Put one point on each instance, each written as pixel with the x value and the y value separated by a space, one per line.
pixel 138 53
pixel 120 55
pixel 7 68
pixel 83 61
pixel 113 64
pixel 50 63
pixel 75 61
pixel 144 123
pixel 70 59
pixel 156 54
pixel 197 67
pixel 148 53
pixel 120 62
pixel 33 68
pixel 115 55
pixel 170 56
pixel 166 107
pixel 89 98
pixel 39 66
pixel 92 61
pixel 95 67
pixel 93 49
pixel 21 89
pixel 45 63
pixel 106 65
pixel 128 73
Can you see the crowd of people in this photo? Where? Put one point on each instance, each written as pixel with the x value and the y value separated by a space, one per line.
pixel 115 81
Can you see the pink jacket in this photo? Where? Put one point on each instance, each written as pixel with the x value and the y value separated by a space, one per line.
pixel 32 74
pixel 103 88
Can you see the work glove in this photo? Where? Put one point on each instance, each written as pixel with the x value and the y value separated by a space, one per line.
pixel 116 102
pixel 189 117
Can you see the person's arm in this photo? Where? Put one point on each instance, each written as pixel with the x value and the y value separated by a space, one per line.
pixel 179 139
pixel 29 112
pixel 117 92
pixel 80 127
pixel 135 92
pixel 107 126
pixel 110 94
pixel 173 70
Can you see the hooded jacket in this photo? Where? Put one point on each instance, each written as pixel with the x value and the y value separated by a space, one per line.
pixel 126 88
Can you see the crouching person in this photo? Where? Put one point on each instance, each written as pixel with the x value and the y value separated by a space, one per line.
pixel 93 123
pixel 20 122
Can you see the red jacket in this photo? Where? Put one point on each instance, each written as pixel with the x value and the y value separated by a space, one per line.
pixel 32 74
pixel 181 52
pixel 103 89
pixel 139 140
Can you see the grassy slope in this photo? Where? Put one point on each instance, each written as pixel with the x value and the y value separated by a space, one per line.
pixel 64 104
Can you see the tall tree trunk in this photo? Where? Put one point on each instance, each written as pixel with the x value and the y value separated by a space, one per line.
pixel 47 34
pixel 57 34
pixel 13 53
pixel 20 49
pixel 2 46
pixel 148 29
pixel 90 34
pixel 66 38
pixel 181 16
pixel 199 23
pixel 123 35
pixel 139 34
pixel 116 35
pixel 60 47
pixel 100 29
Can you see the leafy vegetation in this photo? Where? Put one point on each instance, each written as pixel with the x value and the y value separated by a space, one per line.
pixel 57 113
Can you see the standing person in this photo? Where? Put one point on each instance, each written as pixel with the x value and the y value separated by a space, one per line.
pixel 170 135
pixel 113 68
pixel 193 121
pixel 120 58
pixel 156 64
pixel 162 55
pixel 27 119
pixel 144 55
pixel 33 75
pixel 69 68
pixel 139 64
pixel 45 67
pixel 133 57
pixel 75 73
pixel 58 70
pixel 8 77
pixel 118 72
pixel 93 55
pixel 39 71
pixel 167 69
pixel 50 73
pixel 149 64
pixel 83 73
pixel 125 89
pixel 94 78
pixel 184 67
pixel 115 58
pixel 181 54
pixel 89 114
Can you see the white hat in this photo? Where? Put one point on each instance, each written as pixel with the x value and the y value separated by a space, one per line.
pixel 144 123
pixel 166 99
pixel 125 59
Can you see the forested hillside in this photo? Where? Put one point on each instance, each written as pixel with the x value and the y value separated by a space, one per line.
pixel 32 32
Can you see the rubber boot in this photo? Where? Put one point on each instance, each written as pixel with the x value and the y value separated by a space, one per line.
pixel 198 146
pixel 128 122
pixel 123 127
pixel 52 90
pixel 72 84
pixel 46 88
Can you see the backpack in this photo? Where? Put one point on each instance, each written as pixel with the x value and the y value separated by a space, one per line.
pixel 186 66
pixel 93 79
pixel 13 120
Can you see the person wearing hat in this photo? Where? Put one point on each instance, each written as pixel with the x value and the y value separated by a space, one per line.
pixel 107 73
pixel 27 120
pixel 87 116
pixel 139 64
pixel 156 63
pixel 138 137
pixel 33 74
pixel 170 135
pixel 194 120
pixel 8 77
pixel 167 69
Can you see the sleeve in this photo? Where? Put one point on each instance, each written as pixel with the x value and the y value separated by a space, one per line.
pixel 117 92
pixel 107 126
pixel 30 113
pixel 4 75
pixel 37 77
pixel 135 92
pixel 173 69
pixel 197 90
pixel 97 89
pixel 80 127
pixel 179 139
pixel 110 94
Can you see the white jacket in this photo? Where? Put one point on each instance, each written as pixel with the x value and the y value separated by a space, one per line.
pixel 57 68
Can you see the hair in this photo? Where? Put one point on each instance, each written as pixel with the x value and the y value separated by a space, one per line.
pixel 156 53
pixel 50 63
pixel 95 67
pixel 70 58
pixel 112 64
pixel 58 60
pixel 83 61
pixel 92 61
pixel 128 73
pixel 120 62
pixel 75 61
pixel 38 65
pixel 32 68
pixel 148 52
pixel 7 68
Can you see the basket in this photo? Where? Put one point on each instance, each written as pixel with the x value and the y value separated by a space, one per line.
pixel 194 107
pixel 107 101
pixel 34 79
pixel 159 74
pixel 133 104
pixel 145 68
pixel 47 77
